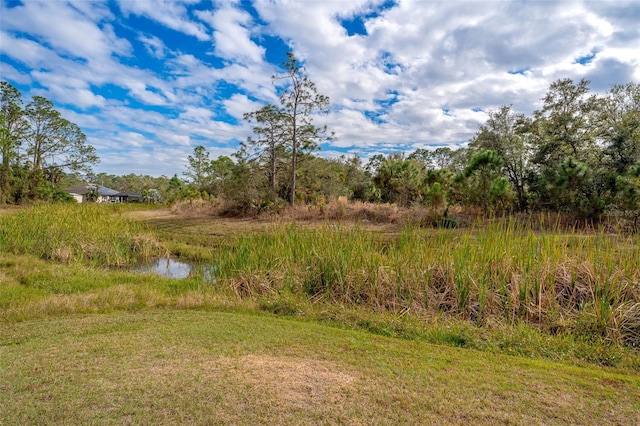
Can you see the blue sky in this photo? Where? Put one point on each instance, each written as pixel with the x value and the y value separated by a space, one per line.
pixel 149 80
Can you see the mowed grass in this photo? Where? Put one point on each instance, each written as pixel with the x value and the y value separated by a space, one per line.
pixel 196 367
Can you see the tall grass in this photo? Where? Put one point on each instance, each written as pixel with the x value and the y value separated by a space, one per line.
pixel 562 281
pixel 94 233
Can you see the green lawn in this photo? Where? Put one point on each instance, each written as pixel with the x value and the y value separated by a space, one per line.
pixel 207 367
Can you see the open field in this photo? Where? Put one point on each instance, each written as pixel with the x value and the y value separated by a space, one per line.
pixel 314 322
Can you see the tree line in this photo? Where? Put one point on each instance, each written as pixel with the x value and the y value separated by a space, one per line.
pixel 42 153
pixel 579 154
pixel 38 147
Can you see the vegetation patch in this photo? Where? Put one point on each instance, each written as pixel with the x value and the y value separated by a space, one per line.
pixel 98 234
pixel 586 285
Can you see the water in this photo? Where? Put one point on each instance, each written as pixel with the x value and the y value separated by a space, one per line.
pixel 177 269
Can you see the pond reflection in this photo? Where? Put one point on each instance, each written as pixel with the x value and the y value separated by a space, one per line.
pixel 178 269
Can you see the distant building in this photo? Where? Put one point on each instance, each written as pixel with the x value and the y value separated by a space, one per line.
pixel 127 197
pixel 84 193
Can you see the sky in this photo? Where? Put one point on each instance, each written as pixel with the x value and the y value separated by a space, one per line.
pixel 149 80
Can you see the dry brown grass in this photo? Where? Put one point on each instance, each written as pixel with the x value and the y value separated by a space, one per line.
pixel 7 209
pixel 341 210
pixel 293 383
pixel 338 209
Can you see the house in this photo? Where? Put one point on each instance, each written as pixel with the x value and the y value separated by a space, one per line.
pixel 84 193
pixel 127 197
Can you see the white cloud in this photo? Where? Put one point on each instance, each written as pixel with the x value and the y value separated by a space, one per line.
pixel 232 34
pixel 183 140
pixel 93 10
pixel 25 51
pixel 173 15
pixel 154 46
pixel 8 72
pixel 139 91
pixel 134 139
pixel 69 31
pixel 146 97
pixel 238 105
pixel 453 55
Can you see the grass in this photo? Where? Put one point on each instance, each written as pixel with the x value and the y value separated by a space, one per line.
pixel 314 322
pixel 36 289
pixel 563 282
pixel 503 272
pixel 99 234
pixel 167 367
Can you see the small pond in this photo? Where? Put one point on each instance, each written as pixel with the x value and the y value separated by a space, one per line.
pixel 178 269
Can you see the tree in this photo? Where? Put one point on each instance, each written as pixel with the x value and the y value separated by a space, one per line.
pixel 12 130
pixel 374 163
pixel 507 133
pixel 575 188
pixel 93 193
pixel 620 135
pixel 299 101
pixel 628 195
pixel 566 127
pixel 399 180
pixel 424 157
pixel 323 179
pixel 269 145
pixel 619 126
pixel 485 185
pixel 199 168
pixel 54 143
pixel 439 183
pixel 222 170
pixel 440 158
pixel 443 158
pixel 357 182
pixel 151 196
pixel 175 189
pixel 566 122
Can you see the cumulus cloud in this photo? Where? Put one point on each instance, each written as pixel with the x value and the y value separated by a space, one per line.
pixel 148 80
pixel 237 105
pixel 69 32
pixel 232 34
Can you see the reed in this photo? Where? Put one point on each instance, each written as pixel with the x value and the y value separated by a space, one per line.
pixel 562 281
pixel 93 233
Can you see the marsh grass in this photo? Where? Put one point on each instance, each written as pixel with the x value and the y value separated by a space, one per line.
pixel 95 233
pixel 561 281
pixel 33 289
pixel 493 274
